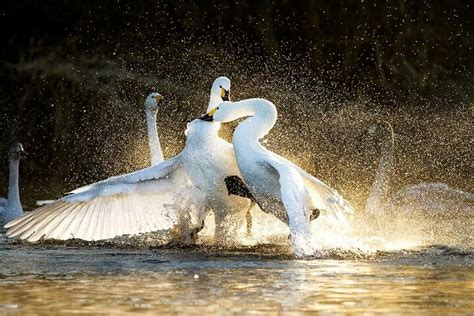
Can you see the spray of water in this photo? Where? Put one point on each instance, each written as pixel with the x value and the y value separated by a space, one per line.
pixel 319 128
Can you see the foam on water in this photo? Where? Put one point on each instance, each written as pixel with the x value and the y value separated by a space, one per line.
pixel 365 237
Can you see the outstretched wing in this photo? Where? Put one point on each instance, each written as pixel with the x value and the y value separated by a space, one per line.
pixel 125 183
pixel 144 201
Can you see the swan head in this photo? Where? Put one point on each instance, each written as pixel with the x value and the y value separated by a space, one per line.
pixel 231 111
pixel 151 101
pixel 372 130
pixel 379 128
pixel 220 91
pixel 17 152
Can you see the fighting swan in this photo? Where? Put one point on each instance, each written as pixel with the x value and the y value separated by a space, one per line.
pixel 150 199
pixel 279 186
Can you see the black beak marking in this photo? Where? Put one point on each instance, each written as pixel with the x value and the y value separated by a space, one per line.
pixel 206 117
pixel 226 96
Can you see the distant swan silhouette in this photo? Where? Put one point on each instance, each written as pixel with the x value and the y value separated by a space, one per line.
pixel 151 108
pixel 421 199
pixel 11 208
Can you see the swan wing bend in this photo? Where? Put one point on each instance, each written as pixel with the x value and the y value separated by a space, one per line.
pixel 143 201
pixel 327 200
pixel 126 183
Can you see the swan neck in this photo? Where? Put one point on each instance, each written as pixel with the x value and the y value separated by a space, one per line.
pixel 202 134
pixel 262 118
pixel 13 185
pixel 214 101
pixel 381 183
pixel 153 140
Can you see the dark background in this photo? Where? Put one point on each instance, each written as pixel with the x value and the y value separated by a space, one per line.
pixel 74 75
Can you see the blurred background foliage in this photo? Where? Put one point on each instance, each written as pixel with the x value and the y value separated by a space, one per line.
pixel 74 75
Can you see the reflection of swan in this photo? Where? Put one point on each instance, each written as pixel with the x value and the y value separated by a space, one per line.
pixel 150 199
pixel 151 108
pixel 279 186
pixel 11 208
pixel 422 199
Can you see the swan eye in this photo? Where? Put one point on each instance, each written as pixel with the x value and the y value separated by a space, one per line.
pixel 217 108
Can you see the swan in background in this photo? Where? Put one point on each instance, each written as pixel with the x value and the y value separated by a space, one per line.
pixel 11 208
pixel 151 108
pixel 153 198
pixel 374 203
pixel 279 186
pixel 421 199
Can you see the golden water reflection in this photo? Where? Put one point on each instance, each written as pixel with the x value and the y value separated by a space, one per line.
pixel 291 286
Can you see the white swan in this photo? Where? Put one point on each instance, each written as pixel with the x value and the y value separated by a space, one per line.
pixel 11 208
pixel 151 108
pixel 279 186
pixel 151 199
pixel 425 199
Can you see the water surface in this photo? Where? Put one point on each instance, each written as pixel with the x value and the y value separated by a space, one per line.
pixel 71 279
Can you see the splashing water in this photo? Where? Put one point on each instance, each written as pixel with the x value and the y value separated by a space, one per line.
pixel 364 236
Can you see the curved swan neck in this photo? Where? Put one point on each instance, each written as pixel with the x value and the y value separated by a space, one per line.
pixel 214 100
pixel 13 186
pixel 153 140
pixel 382 178
pixel 263 116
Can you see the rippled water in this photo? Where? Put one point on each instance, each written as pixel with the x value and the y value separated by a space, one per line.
pixel 71 279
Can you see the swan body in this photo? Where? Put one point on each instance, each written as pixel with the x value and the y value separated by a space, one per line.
pixel 279 186
pixel 425 199
pixel 151 199
pixel 433 198
pixel 217 161
pixel 11 208
pixel 151 108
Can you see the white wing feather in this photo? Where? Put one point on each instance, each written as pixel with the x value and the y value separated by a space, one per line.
pixel 144 201
pixel 124 183
pixel 324 198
